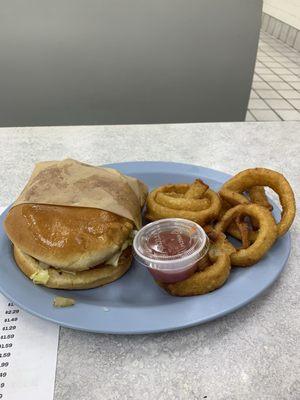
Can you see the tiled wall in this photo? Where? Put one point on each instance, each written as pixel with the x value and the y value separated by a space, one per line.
pixel 287 11
pixel 282 31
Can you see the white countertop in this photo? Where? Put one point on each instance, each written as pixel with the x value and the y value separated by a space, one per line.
pixel 250 354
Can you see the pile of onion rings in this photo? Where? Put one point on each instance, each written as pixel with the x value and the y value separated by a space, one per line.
pixel 240 209
pixel 233 193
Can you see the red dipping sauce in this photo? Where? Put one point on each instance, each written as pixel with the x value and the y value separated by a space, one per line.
pixel 171 248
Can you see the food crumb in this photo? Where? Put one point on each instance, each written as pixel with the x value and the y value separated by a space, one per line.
pixel 60 301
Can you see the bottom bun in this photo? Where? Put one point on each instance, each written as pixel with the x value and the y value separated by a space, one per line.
pixel 98 276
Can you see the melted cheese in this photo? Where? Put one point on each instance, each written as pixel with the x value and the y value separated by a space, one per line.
pixel 114 260
pixel 40 277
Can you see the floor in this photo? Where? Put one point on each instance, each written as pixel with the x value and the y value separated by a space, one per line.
pixel 275 93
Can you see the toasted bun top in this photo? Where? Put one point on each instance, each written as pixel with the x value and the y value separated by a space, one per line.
pixel 69 238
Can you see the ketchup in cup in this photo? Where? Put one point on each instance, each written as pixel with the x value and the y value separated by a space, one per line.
pixel 171 248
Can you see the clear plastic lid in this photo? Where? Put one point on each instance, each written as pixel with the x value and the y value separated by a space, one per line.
pixel 170 244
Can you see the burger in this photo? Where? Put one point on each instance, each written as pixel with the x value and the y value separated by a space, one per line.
pixel 66 247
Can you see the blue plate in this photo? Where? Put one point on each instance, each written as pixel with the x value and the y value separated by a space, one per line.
pixel 134 303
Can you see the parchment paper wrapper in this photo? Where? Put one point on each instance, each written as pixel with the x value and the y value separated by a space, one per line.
pixel 72 183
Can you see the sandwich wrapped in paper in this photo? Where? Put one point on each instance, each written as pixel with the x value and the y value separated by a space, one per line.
pixel 72 224
pixel 74 184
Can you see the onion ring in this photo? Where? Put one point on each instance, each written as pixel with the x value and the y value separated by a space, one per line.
pixel 266 235
pixel 156 210
pixel 232 192
pixel 209 279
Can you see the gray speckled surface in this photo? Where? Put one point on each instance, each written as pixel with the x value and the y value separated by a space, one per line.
pixel 250 354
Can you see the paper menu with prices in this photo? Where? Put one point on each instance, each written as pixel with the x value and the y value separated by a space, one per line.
pixel 28 354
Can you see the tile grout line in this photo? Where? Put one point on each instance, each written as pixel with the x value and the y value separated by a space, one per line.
pixel 278 62
pixel 249 111
pixel 274 46
pixel 285 46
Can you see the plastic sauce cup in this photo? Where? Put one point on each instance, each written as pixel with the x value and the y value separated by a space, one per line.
pixel 171 248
